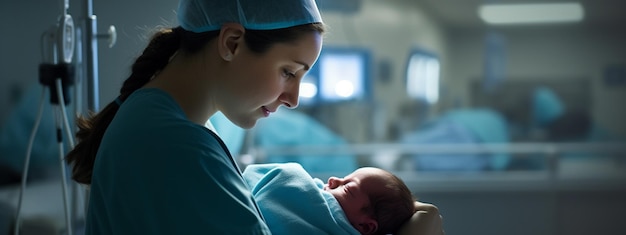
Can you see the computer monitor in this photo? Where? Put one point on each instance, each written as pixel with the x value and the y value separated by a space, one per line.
pixel 422 76
pixel 340 74
pixel 309 91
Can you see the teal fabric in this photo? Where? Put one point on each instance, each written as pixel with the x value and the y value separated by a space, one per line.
pixel 462 126
pixel 158 173
pixel 488 127
pixel 446 132
pixel 204 15
pixel 295 203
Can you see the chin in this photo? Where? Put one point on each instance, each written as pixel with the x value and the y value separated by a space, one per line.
pixel 247 124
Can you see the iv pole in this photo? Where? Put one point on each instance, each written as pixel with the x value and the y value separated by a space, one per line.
pixel 91 53
pixel 91 56
pixel 57 71
pixel 90 68
pixel 90 65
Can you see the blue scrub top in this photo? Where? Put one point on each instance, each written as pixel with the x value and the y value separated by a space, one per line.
pixel 158 173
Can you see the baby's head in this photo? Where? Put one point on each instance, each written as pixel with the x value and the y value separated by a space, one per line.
pixel 374 200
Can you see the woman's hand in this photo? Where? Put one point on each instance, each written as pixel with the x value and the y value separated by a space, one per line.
pixel 425 221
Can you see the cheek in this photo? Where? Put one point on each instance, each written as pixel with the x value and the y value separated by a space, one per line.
pixel 261 81
pixel 267 83
pixel 338 194
pixel 350 210
pixel 254 79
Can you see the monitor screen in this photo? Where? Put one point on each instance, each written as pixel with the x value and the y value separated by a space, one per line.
pixel 308 89
pixel 422 76
pixel 340 74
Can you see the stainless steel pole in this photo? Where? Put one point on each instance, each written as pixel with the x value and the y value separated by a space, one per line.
pixel 91 57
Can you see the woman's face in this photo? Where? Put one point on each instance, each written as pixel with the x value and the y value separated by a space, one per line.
pixel 353 192
pixel 259 83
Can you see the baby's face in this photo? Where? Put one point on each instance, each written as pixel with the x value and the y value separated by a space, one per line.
pixel 353 192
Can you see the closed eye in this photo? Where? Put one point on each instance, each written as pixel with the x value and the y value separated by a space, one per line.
pixel 347 189
pixel 288 74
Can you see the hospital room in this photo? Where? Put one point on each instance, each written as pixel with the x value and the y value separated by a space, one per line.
pixel 507 115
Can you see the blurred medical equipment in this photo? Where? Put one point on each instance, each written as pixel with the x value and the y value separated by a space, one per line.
pixel 57 72
pixel 340 74
pixel 90 53
pixel 285 128
pixel 422 76
pixel 552 153
pixel 477 125
pixel 461 126
pixel 291 128
pixel 548 120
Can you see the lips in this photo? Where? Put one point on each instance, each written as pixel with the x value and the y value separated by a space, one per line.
pixel 266 111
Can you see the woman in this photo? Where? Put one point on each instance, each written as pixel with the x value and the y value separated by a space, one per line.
pixel 152 165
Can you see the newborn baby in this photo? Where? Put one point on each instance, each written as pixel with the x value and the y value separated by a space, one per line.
pixel 367 201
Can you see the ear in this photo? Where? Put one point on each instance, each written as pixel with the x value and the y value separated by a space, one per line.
pixel 229 40
pixel 368 226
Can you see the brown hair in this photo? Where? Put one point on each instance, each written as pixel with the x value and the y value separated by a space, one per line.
pixel 392 208
pixel 154 58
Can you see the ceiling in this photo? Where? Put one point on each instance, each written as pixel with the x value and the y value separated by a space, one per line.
pixel 463 13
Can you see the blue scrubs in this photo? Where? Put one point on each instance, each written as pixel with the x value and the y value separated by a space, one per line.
pixel 158 173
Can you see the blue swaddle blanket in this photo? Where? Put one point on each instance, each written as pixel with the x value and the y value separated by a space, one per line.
pixel 293 202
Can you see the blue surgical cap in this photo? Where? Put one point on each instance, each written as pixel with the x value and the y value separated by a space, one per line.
pixel 208 15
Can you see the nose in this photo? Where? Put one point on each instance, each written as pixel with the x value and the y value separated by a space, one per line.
pixel 290 96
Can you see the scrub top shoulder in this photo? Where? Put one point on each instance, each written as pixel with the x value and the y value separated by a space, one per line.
pixel 158 173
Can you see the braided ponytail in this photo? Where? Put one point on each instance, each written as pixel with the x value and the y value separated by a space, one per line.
pixel 91 129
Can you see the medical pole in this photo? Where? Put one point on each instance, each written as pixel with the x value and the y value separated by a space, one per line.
pixel 56 72
pixel 90 62
pixel 91 56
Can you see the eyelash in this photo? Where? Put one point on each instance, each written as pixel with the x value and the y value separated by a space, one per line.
pixel 288 74
pixel 348 190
